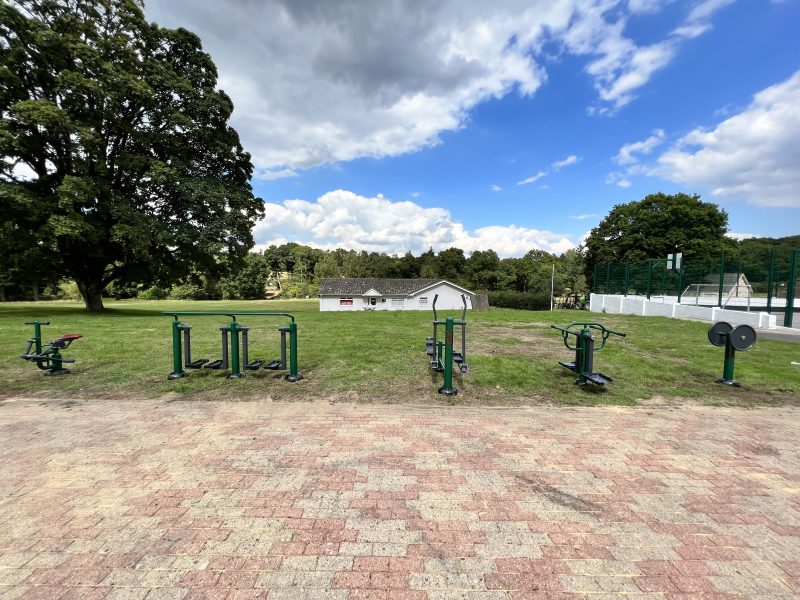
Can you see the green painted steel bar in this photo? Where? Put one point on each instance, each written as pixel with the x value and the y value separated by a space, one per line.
pixel 236 371
pixel 177 365
pixel 680 282
pixel 770 280
pixel 447 389
pixel 231 314
pixel 649 277
pixel 293 375
pixel 627 278
pixel 727 369
pixel 791 286
pixel 721 278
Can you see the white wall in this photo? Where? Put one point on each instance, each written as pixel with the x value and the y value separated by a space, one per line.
pixel 632 305
pixel 449 299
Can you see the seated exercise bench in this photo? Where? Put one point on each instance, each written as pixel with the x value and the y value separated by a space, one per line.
pixel 584 351
pixel 48 359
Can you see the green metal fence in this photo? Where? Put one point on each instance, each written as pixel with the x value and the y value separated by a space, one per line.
pixel 760 278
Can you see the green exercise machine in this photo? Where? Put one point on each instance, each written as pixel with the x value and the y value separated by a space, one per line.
pixel 584 349
pixel 441 352
pixel 234 337
pixel 48 359
pixel 740 338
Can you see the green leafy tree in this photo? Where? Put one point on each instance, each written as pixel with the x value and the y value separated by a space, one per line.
pixel 483 269
pixel 119 160
pixel 656 226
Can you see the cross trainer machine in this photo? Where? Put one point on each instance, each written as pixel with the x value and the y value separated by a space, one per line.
pixel 48 359
pixel 238 359
pixel 584 349
pixel 441 352
pixel 740 338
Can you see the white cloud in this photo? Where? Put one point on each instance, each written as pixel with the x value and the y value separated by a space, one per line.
pixel 619 179
pixel 645 6
pixel 752 155
pixel 496 188
pixel 316 82
pixel 342 219
pixel 741 236
pixel 268 175
pixel 570 160
pixel 582 217
pixel 625 156
pixel 533 178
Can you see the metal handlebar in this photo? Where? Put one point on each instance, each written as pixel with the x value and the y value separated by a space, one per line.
pixel 232 315
pixel 37 322
pixel 584 327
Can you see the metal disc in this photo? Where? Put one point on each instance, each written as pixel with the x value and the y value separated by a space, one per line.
pixel 743 337
pixel 716 334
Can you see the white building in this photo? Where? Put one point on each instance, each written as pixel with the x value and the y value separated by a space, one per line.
pixel 390 294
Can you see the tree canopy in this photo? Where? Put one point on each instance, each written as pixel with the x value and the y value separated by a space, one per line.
pixel 658 225
pixel 119 162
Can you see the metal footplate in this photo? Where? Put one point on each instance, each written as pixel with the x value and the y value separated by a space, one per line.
pixel 596 378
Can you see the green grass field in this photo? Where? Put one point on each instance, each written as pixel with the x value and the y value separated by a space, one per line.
pixel 380 356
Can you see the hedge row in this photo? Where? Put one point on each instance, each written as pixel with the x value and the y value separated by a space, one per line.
pixel 522 300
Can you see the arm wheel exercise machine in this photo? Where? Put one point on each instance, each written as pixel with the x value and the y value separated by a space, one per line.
pixel 441 352
pixel 740 338
pixel 584 351
pixel 48 359
pixel 237 359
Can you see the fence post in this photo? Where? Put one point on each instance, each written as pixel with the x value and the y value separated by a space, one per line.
pixel 595 281
pixel 721 278
pixel 627 278
pixel 769 280
pixel 680 282
pixel 649 276
pixel 608 275
pixel 791 285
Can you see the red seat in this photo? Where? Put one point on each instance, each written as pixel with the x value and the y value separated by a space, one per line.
pixel 71 336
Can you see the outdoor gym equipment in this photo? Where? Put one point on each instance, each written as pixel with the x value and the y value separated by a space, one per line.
pixel 441 351
pixel 584 351
pixel 236 360
pixel 48 359
pixel 741 338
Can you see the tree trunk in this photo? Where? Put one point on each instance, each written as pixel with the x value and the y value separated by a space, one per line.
pixel 92 292
pixel 2 293
pixel 36 292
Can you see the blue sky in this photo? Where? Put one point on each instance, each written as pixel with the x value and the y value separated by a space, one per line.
pixel 407 126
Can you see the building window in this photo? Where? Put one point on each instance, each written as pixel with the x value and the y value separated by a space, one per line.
pixel 398 302
pixel 423 301
pixel 345 302
pixel 383 300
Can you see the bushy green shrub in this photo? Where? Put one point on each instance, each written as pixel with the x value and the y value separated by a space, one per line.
pixel 67 290
pixel 154 293
pixel 520 300
pixel 187 291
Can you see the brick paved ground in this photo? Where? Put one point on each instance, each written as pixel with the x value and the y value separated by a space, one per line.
pixel 132 500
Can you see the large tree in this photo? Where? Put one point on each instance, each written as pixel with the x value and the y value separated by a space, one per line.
pixel 658 225
pixel 118 160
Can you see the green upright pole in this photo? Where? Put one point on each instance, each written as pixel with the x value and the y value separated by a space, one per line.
pixel 721 278
pixel 770 280
pixel 627 278
pixel 608 276
pixel 680 282
pixel 236 371
pixel 447 389
pixel 177 366
pixel 791 285
pixel 649 277
pixel 37 335
pixel 293 375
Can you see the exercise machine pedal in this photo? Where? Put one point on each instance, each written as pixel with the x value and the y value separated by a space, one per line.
pixel 196 364
pixel 596 378
pixel 463 367
pixel 275 365
pixel 214 364
pixel 458 358
pixel 429 346
pixel 568 365
pixel 254 365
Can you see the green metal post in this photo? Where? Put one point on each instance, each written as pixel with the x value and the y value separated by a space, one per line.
pixel 627 278
pixel 791 286
pixel 177 366
pixel 37 335
pixel 721 278
pixel 608 276
pixel 727 369
pixel 439 354
pixel 447 389
pixel 770 280
pixel 293 375
pixel 649 277
pixel 236 371
pixel 680 282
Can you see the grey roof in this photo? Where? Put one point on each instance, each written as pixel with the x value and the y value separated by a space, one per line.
pixel 385 287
